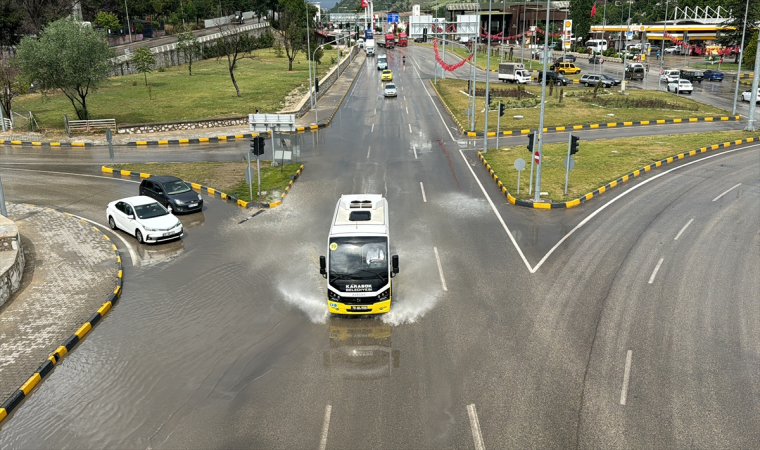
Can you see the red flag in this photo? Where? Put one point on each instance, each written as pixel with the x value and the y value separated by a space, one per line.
pixel 364 3
pixel 593 10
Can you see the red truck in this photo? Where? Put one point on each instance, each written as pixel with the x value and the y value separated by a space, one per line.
pixel 389 42
pixel 402 40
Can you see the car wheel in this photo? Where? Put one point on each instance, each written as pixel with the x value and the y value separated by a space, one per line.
pixel 111 223
pixel 559 83
pixel 562 72
pixel 139 237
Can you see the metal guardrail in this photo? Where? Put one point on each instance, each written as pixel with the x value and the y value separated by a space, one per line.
pixel 88 125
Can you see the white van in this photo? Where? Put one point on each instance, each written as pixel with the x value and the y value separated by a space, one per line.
pixel 596 45
pixel 670 75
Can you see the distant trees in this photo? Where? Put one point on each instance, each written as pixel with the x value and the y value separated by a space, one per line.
pixel 68 57
pixel 291 26
pixel 188 45
pixel 107 20
pixel 11 84
pixel 144 61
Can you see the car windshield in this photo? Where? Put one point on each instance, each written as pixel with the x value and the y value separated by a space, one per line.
pixel 359 258
pixel 150 211
pixel 390 86
pixel 176 187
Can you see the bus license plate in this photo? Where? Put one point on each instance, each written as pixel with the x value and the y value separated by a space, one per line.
pixel 360 308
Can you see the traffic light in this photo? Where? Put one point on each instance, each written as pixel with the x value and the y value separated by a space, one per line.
pixel 488 98
pixel 574 144
pixel 316 84
pixel 424 34
pixel 257 145
pixel 531 137
pixel 254 146
pixel 502 107
pixel 469 85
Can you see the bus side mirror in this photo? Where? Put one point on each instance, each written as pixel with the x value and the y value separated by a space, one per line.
pixel 322 266
pixel 394 263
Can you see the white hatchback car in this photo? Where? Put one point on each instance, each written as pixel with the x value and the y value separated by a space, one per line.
pixel 144 218
pixel 680 86
pixel 390 90
pixel 746 95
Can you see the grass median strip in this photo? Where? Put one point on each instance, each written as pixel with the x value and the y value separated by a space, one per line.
pixel 597 162
pixel 578 106
pixel 228 177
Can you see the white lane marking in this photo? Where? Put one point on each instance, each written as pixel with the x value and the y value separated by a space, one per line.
pixel 69 173
pixel 615 199
pixel 410 127
pixel 683 229
pixel 402 88
pixel 656 269
pixel 440 269
pixel 404 97
pixel 415 152
pixel 375 110
pixel 369 150
pixel 431 101
pixel 626 377
pixel 493 208
pixel 424 199
pixel 477 437
pixel 373 128
pixel 102 227
pixel 721 195
pixel 325 428
pixel 407 111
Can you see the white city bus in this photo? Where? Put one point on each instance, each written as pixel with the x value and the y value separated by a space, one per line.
pixel 596 45
pixel 357 266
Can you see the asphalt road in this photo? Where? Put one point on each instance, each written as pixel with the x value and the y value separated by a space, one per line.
pixel 511 327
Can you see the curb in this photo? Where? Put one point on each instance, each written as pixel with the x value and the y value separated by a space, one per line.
pixel 68 345
pixel 610 185
pixel 340 102
pixel 48 144
pixel 461 128
pixel 215 192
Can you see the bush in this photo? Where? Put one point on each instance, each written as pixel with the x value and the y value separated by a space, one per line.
pixel 278 50
pixel 327 47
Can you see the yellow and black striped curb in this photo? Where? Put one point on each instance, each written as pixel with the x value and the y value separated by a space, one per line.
pixel 47 144
pixel 215 192
pixel 44 370
pixel 446 105
pixel 609 185
pixel 204 140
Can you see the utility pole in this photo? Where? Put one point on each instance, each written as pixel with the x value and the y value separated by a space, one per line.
pixel 488 72
pixel 662 45
pixel 129 29
pixel 753 91
pixel 604 24
pixel 540 133
pixel 625 53
pixel 3 212
pixel 308 54
pixel 741 55
pixel 522 55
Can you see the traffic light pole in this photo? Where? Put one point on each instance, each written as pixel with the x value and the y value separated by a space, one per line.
pixel 250 185
pixel 540 132
pixel 532 161
pixel 567 160
pixel 488 77
pixel 498 123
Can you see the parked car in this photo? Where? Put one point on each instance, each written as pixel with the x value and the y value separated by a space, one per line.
pixel 566 67
pixel 174 194
pixel 554 77
pixel 692 75
pixel 713 75
pixel 634 72
pixel 387 75
pixel 746 95
pixel 613 80
pixel 390 90
pixel 566 58
pixel 144 218
pixel 594 79
pixel 670 75
pixel 596 59
pixel 419 39
pixel 680 86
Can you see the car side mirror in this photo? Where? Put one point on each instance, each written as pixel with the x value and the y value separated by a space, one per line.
pixel 394 263
pixel 322 266
pixel 130 217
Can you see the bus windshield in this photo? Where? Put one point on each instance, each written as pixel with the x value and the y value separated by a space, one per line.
pixel 357 258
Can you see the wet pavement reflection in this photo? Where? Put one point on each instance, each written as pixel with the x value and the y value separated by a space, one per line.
pixel 360 348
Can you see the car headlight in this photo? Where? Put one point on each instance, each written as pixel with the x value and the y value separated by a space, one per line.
pixel 199 197
pixel 179 202
pixel 333 296
pixel 149 229
pixel 385 295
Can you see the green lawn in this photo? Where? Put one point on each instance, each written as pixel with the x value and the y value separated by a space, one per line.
pixel 597 162
pixel 571 111
pixel 264 83
pixel 228 177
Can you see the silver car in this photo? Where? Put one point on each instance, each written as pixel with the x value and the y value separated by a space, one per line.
pixel 390 90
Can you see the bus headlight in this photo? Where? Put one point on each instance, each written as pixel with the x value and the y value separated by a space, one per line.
pixel 384 296
pixel 333 296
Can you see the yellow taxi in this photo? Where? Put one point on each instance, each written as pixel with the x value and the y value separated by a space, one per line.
pixel 386 76
pixel 566 68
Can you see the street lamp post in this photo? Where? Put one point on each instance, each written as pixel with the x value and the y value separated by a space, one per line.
pixel 741 55
pixel 662 44
pixel 544 80
pixel 488 72
pixel 129 29
pixel 308 45
pixel 316 97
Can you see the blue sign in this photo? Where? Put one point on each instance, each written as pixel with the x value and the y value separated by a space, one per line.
pixel 392 17
pixel 367 35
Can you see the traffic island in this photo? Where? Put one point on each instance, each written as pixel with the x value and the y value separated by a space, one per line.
pixel 598 165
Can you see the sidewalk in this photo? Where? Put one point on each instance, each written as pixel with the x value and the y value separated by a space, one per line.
pixel 328 104
pixel 70 271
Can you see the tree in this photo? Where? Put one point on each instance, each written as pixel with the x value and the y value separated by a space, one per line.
pixel 10 23
pixel 68 57
pixel 235 45
pixel 291 27
pixel 107 20
pixel 11 84
pixel 190 48
pixel 580 13
pixel 38 13
pixel 732 33
pixel 144 61
pixel 750 52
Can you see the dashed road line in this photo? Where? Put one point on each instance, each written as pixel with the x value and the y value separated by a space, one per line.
pixel 477 437
pixel 424 199
pixel 410 127
pixel 325 428
pixel 626 375
pixel 369 150
pixel 373 128
pixel 407 111
pixel 440 269
pixel 683 229
pixel 729 190
pixel 656 269
pixel 415 151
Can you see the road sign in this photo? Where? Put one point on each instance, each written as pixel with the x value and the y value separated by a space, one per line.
pixel 536 157
pixel 569 163
pixel 249 175
pixel 519 164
